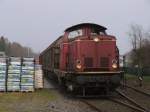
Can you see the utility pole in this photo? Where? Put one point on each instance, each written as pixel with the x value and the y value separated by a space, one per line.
pixel 28 52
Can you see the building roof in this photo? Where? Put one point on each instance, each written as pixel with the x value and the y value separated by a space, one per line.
pixel 78 26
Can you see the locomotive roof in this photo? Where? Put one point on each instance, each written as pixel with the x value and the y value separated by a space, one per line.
pixel 78 26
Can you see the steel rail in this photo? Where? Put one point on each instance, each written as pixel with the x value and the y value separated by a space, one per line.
pixel 127 105
pixel 137 90
pixel 132 101
pixel 92 106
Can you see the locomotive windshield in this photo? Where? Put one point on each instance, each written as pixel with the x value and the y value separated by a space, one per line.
pixel 95 31
pixel 75 33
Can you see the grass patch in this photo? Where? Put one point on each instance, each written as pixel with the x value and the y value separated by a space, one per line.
pixel 146 78
pixel 135 77
pixel 18 96
pixel 26 102
pixel 129 76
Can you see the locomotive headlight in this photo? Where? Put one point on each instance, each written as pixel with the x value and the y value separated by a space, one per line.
pixel 114 65
pixel 96 39
pixel 78 65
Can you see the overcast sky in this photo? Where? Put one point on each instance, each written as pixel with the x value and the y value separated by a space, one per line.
pixel 37 23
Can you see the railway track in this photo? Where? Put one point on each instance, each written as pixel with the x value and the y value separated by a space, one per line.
pixel 137 90
pixel 140 96
pixel 127 105
pixel 124 100
pixel 120 102
pixel 95 108
pixel 129 102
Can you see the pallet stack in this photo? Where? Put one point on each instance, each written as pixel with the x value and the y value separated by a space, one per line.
pixel 3 74
pixel 27 75
pixel 14 70
pixel 39 77
pixel 20 74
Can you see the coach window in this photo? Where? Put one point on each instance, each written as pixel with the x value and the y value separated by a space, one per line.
pixel 75 33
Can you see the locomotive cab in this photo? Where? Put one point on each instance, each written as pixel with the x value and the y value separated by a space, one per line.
pixel 84 31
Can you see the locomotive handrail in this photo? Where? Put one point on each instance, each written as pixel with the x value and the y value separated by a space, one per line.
pixel 101 72
pixel 97 72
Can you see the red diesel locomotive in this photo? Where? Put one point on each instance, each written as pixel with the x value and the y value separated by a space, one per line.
pixel 84 58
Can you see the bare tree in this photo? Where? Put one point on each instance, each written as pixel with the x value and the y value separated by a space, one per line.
pixel 137 36
pixel 140 41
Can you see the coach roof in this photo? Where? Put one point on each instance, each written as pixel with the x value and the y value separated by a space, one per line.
pixel 78 26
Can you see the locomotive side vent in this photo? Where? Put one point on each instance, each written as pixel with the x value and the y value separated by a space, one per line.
pixel 88 62
pixel 104 62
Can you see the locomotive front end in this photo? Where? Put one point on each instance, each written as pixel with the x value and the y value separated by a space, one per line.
pixel 99 53
pixel 93 59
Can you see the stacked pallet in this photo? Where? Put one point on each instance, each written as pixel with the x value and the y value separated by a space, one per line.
pixel 14 70
pixel 20 74
pixel 27 75
pixel 3 73
pixel 38 77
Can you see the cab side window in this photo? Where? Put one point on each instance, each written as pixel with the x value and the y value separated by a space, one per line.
pixel 75 33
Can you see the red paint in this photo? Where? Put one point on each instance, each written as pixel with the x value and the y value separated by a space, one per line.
pixel 80 48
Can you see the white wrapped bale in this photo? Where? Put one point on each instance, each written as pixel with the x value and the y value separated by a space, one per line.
pixel 2 88
pixel 14 67
pixel 13 77
pixel 28 59
pixel 3 60
pixel 14 70
pixel 13 83
pixel 2 83
pixel 27 74
pixel 3 67
pixel 15 63
pixel 13 86
pixel 28 67
pixel 27 88
pixel 27 81
pixel 2 77
pixel 38 77
pixel 3 71
pixel 15 59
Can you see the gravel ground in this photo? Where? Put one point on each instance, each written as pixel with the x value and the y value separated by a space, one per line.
pixel 66 105
pixel 133 81
pixel 49 99
pixel 138 97
pixel 48 85
pixel 45 100
pixel 109 106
